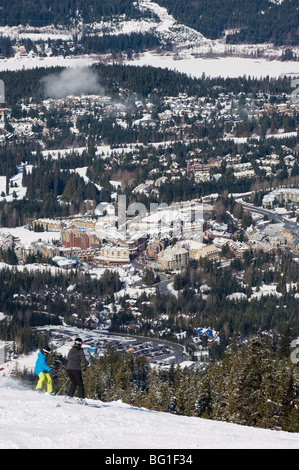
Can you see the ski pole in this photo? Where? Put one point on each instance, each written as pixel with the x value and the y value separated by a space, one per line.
pixel 63 385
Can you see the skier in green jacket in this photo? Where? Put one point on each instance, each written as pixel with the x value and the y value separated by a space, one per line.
pixel 42 370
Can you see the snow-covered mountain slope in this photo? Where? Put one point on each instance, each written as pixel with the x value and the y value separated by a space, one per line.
pixel 30 420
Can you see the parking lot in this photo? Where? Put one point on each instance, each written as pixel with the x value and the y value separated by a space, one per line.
pixel 147 349
pixel 95 344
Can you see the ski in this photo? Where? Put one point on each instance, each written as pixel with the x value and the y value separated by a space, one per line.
pixel 71 401
pixel 93 405
pixel 76 402
pixel 42 392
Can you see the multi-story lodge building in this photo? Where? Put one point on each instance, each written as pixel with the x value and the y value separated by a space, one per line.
pixel 281 195
pixel 114 254
pixel 173 258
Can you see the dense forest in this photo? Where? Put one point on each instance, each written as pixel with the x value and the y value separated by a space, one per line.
pixel 257 21
pixel 130 43
pixel 45 12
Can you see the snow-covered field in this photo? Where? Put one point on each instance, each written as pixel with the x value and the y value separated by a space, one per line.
pixel 20 63
pixel 227 67
pixel 29 420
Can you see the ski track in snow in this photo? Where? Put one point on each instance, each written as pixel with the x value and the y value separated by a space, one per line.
pixel 29 420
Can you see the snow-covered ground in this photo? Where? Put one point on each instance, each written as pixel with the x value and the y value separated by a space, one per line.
pixel 28 236
pixel 227 67
pixel 29 420
pixel 20 63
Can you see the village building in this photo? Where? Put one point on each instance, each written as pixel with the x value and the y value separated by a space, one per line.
pixel 199 250
pixel 49 225
pixel 114 254
pixel 4 347
pixel 94 241
pixel 73 237
pixel 269 238
pixel 91 322
pixel 292 239
pixel 46 250
pixel 154 247
pixel 83 223
pixel 173 258
pixel 281 195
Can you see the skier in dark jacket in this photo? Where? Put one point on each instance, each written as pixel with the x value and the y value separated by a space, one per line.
pixel 76 358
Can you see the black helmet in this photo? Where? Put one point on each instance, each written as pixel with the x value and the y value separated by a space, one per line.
pixel 46 350
pixel 78 341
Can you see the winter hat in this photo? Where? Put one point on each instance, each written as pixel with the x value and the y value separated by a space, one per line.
pixel 46 350
pixel 78 341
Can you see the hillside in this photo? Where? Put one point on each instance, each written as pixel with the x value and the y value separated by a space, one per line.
pixel 240 21
pixel 44 12
pixel 29 420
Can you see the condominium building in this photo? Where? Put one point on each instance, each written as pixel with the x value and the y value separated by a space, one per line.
pixel 173 258
pixel 74 237
pixel 114 254
pixel 199 250
pixel 281 195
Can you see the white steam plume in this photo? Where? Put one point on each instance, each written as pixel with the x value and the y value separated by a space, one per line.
pixel 71 81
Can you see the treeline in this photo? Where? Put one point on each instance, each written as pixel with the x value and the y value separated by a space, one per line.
pixel 185 188
pixel 21 212
pixel 256 384
pixel 89 44
pixel 11 156
pixel 258 20
pixel 6 49
pixel 48 182
pixel 69 187
pixel 46 12
pixel 14 282
pixel 130 43
pixel 25 340
pixel 146 80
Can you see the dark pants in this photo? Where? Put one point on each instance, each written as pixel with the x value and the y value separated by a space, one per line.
pixel 77 381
